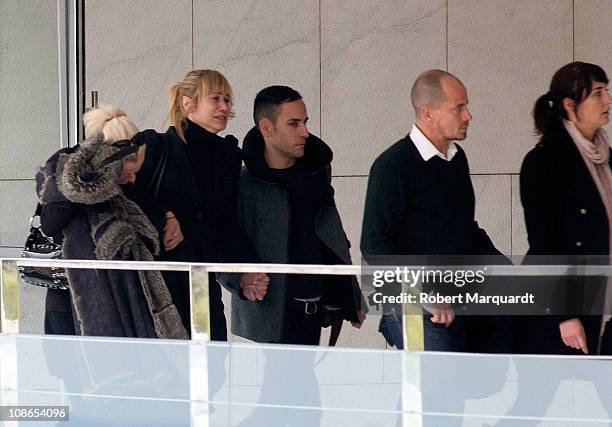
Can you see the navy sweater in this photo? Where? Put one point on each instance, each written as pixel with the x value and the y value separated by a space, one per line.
pixel 418 207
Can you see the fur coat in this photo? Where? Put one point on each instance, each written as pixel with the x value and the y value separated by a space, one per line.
pixel 107 226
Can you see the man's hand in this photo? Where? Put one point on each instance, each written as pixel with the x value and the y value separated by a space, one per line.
pixel 172 232
pixel 441 313
pixel 254 285
pixel 572 334
pixel 444 316
pixel 361 316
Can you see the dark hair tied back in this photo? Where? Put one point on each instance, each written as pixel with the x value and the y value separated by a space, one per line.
pixel 548 110
pixel 551 102
pixel 573 81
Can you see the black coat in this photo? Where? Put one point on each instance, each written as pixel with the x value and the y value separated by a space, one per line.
pixel 563 210
pixel 208 221
pixel 205 203
pixel 566 224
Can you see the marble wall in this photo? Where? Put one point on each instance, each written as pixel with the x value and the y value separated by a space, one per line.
pixel 29 108
pixel 354 62
pixel 133 51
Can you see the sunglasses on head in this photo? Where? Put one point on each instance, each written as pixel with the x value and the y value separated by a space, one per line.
pixel 124 143
pixel 133 143
pixel 126 147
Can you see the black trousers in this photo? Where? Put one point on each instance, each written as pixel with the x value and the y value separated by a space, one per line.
pixel 300 327
pixel 218 324
pixel 178 285
pixel 473 334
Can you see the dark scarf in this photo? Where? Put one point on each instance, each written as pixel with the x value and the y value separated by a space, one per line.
pixel 316 160
pixel 317 155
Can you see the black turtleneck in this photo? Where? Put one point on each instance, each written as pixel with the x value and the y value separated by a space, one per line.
pixel 305 247
pixel 200 149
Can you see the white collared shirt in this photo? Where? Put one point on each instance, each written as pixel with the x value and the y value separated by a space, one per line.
pixel 427 150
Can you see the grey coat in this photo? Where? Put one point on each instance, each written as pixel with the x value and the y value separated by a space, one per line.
pixel 264 213
pixel 101 223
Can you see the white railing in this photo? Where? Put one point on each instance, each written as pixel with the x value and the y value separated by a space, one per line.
pixel 169 382
pixel 492 270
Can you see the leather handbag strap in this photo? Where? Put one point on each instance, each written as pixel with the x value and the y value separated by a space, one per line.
pixel 38 210
pixel 334 332
pixel 333 320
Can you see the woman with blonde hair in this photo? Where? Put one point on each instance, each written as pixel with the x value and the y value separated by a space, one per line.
pixel 85 196
pixel 198 193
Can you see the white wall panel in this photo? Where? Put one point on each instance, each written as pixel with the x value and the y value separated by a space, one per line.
pixel 135 50
pixel 350 199
pixel 592 41
pixel 371 52
pixel 16 208
pixel 493 211
pixel 256 44
pixel 506 52
pixel 29 87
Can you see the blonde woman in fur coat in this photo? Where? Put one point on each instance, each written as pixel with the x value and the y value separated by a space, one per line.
pixel 85 194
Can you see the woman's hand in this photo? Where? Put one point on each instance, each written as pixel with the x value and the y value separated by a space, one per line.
pixel 254 285
pixel 572 334
pixel 172 232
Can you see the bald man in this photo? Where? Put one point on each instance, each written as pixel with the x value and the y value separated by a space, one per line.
pixel 420 202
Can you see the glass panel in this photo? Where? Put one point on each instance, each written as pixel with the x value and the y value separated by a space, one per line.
pixel 248 416
pixel 106 411
pixel 510 389
pixel 152 382
pixel 314 377
pixel 106 367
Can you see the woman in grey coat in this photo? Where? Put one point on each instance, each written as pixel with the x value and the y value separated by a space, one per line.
pixel 85 197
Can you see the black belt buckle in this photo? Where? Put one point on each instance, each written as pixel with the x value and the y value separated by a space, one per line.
pixel 313 307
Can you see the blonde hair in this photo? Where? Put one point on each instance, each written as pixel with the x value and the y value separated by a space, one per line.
pixel 111 121
pixel 195 85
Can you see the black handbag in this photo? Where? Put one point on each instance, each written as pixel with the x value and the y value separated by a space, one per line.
pixel 39 246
